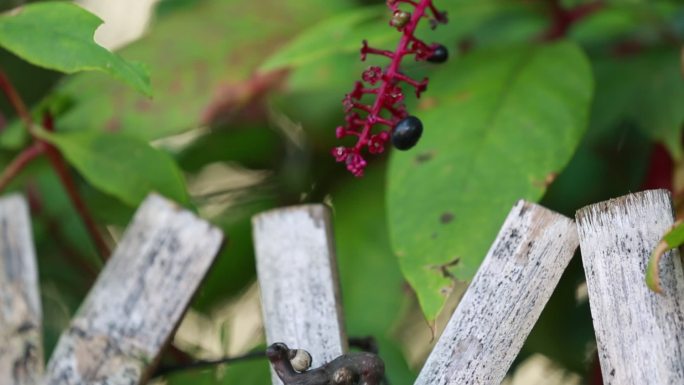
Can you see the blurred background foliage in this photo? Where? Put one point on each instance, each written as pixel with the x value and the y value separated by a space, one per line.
pixel 246 99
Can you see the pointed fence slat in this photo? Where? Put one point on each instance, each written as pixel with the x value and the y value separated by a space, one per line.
pixel 297 273
pixel 138 299
pixel 640 334
pixel 504 300
pixel 21 347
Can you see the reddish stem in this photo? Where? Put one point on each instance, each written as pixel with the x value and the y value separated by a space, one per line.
pixel 60 167
pixel 39 146
pixel 392 72
pixel 563 19
pixel 15 100
pixel 19 162
pixel 595 375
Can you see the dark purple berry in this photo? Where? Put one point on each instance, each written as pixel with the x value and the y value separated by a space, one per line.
pixel 407 132
pixel 439 55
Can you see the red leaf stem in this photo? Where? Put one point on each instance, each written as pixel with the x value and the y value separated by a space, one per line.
pixel 15 100
pixel 59 165
pixel 19 162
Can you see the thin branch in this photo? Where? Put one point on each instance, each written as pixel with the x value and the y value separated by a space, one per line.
pixel 563 19
pixel 166 370
pixel 3 121
pixel 60 167
pixel 15 100
pixel 56 160
pixel 19 163
pixel 366 344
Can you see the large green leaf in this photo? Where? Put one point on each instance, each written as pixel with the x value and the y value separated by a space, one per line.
pixel 627 21
pixel 344 32
pixel 59 36
pixel 498 125
pixel 645 89
pixel 32 83
pixel 321 74
pixel 124 167
pixel 659 102
pixel 202 57
pixel 367 263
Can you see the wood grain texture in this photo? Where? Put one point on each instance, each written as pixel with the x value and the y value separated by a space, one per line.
pixel 21 347
pixel 504 300
pixel 138 298
pixel 640 334
pixel 297 273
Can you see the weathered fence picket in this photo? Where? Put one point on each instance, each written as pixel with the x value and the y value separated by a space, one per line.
pixel 297 272
pixel 504 300
pixel 138 299
pixel 640 334
pixel 21 346
pixel 140 296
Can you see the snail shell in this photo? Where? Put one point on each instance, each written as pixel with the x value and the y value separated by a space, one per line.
pixel 300 359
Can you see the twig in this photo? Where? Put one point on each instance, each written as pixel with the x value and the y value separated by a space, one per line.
pixel 60 167
pixel 56 160
pixel 563 19
pixel 19 162
pixel 15 100
pixel 366 344
pixel 165 370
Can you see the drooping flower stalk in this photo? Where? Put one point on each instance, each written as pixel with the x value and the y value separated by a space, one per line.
pixel 385 86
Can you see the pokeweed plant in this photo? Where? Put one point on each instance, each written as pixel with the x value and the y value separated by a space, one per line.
pixel 384 86
pixel 502 120
pixel 59 36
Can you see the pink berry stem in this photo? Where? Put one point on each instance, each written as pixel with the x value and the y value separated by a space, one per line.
pixel 392 71
pixel 403 130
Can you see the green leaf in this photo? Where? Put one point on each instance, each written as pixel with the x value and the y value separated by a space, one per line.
pixel 627 21
pixel 345 32
pixel 203 58
pixel 360 209
pixel 342 33
pixel 323 72
pixel 614 155
pixel 659 102
pixel 498 125
pixel 645 89
pixel 124 167
pixel 14 135
pixel 59 36
pixel 673 239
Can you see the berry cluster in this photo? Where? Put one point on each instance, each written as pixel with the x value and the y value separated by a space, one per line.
pixel 385 86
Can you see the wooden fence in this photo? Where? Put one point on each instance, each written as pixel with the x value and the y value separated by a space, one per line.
pixel 131 312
